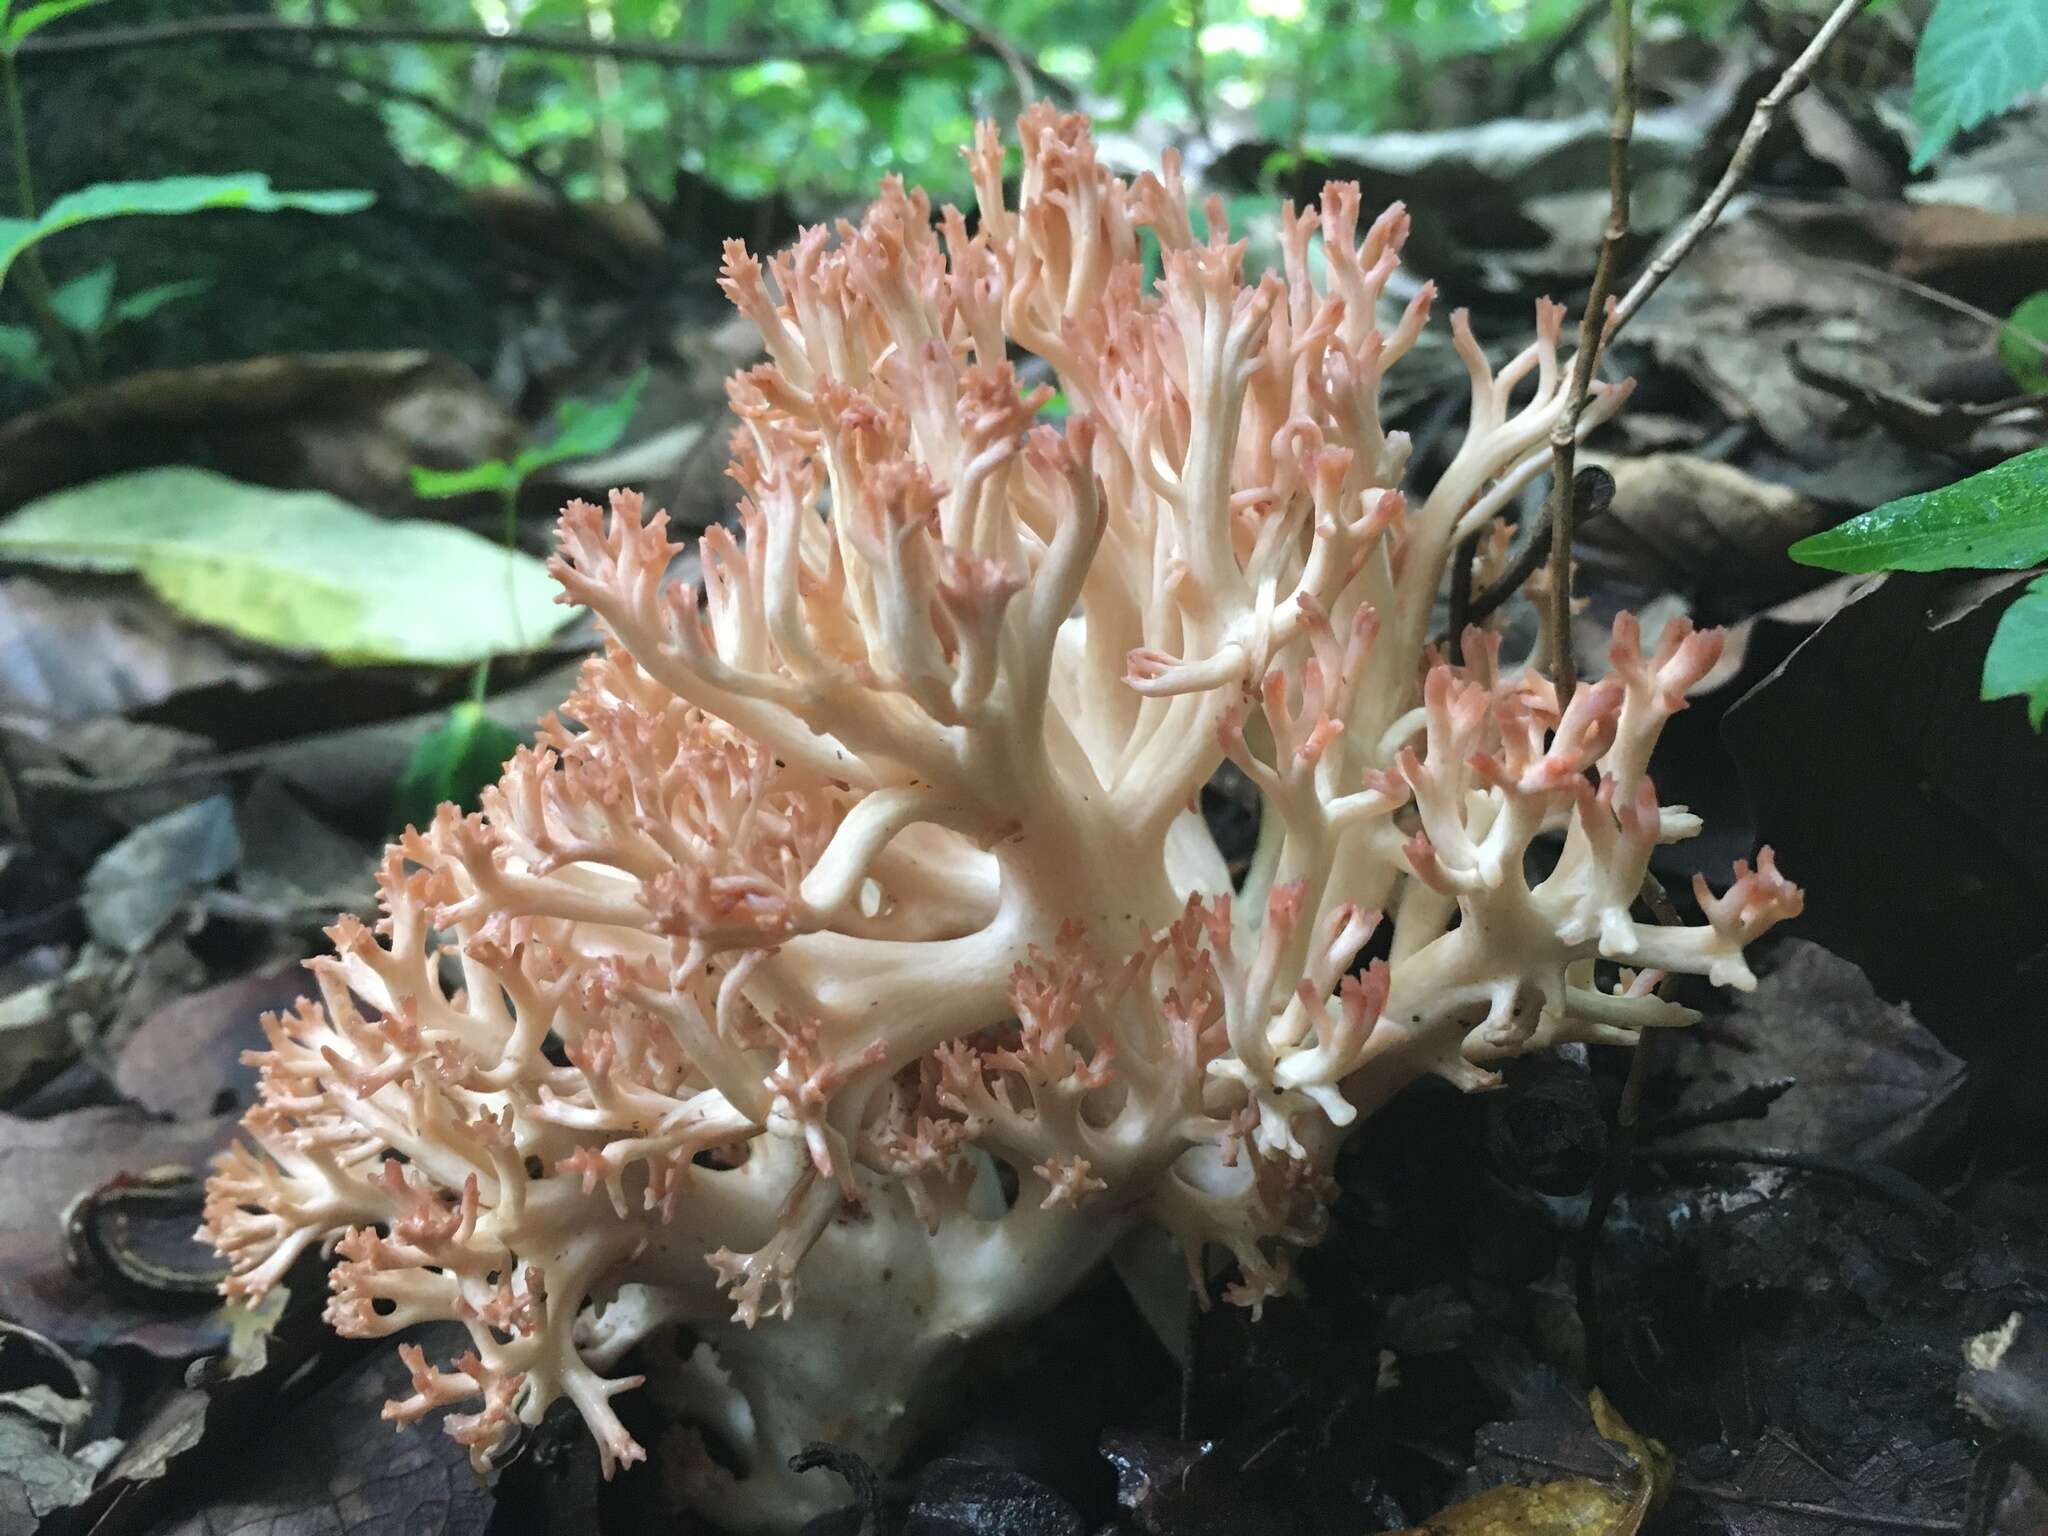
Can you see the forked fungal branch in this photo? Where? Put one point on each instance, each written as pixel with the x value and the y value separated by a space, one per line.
pixel 855 929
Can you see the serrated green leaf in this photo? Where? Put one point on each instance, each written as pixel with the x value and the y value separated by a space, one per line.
pixel 2023 344
pixel 36 17
pixel 1976 58
pixel 453 763
pixel 144 302
pixel 584 427
pixel 2017 662
pixel 1993 521
pixel 249 191
pixel 83 302
pixel 440 484
pixel 22 355
pixel 301 570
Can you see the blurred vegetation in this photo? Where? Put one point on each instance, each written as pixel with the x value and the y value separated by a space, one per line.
pixel 896 85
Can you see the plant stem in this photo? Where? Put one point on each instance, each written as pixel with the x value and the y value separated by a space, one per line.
pixel 1790 84
pixel 1593 333
pixel 480 680
pixel 35 282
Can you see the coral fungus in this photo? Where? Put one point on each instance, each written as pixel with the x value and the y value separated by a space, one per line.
pixel 849 968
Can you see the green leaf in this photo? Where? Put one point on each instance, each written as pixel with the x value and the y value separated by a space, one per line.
pixel 453 762
pixel 1976 58
pixel 1993 521
pixel 300 570
pixel 82 303
pixel 2017 662
pixel 35 18
pixel 2023 344
pixel 584 427
pixel 249 191
pixel 1141 39
pixel 22 355
pixel 144 302
pixel 440 484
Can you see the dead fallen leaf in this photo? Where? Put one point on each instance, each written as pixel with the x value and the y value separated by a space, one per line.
pixel 184 1061
pixel 353 423
pixel 348 1471
pixel 1870 1082
pixel 44 1165
pixel 72 650
pixel 138 886
pixel 1781 1491
pixel 46 1401
pixel 1914 814
pixel 1569 1506
pixel 1683 523
pixel 1728 318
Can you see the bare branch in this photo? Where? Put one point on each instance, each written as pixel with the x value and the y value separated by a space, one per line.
pixel 1592 494
pixel 1593 333
pixel 1028 78
pixel 210 28
pixel 1790 84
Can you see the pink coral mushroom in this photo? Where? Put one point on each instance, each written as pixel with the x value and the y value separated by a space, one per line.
pixel 871 868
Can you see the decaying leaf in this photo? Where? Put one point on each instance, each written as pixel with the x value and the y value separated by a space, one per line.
pixel 1959 787
pixel 44 1166
pixel 70 655
pixel 1572 1506
pixel 185 1059
pixel 139 884
pixel 1869 1081
pixel 352 423
pixel 47 1400
pixel 1686 523
pixel 348 1472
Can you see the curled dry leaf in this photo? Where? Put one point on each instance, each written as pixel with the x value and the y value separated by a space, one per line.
pixel 44 1166
pixel 1572 1506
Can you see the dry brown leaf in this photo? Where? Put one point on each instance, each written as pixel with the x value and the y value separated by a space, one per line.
pixel 1572 1506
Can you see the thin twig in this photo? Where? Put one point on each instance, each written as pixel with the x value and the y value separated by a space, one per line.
pixel 1564 435
pixel 1790 84
pixel 1459 613
pixel 455 122
pixel 1592 494
pixel 209 28
pixel 1607 1182
pixel 1024 74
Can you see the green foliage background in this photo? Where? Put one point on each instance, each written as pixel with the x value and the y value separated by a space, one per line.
pixel 906 84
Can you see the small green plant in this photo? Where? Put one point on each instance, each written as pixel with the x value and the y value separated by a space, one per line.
pixel 2023 344
pixel 89 308
pixel 460 756
pixel 1994 521
pixel 61 346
